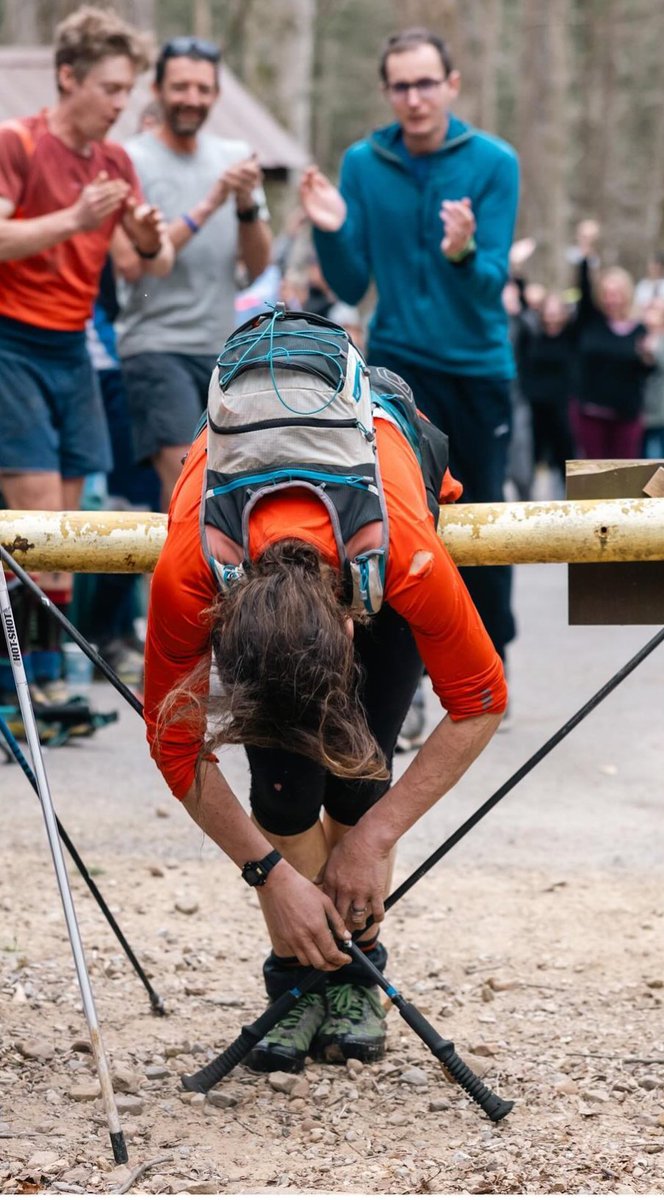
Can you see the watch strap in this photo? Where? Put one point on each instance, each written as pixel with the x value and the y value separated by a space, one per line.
pixel 256 873
pixel 247 215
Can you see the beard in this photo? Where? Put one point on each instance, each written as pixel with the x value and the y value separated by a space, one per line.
pixel 185 120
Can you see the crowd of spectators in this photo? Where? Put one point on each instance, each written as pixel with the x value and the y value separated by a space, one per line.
pixel 590 364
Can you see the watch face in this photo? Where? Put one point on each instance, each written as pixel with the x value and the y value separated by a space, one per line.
pixel 252 874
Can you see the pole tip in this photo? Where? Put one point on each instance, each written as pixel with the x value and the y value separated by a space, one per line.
pixel 119 1147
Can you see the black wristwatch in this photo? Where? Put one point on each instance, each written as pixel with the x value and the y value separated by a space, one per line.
pixel 145 254
pixel 248 215
pixel 256 873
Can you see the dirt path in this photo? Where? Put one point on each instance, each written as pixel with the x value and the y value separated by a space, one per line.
pixel 538 947
pixel 554 985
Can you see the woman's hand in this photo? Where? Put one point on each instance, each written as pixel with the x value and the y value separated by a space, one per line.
pixel 356 877
pixel 304 918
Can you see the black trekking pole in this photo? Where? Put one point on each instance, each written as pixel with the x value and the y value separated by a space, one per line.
pixel 155 1000
pixel 73 632
pixel 250 1035
pixel 442 1049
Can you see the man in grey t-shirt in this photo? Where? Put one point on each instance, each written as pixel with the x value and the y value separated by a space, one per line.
pixel 171 330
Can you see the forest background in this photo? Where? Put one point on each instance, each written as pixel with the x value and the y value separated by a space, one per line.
pixel 575 85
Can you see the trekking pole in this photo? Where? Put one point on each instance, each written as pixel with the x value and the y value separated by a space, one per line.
pixel 442 1049
pixel 208 1076
pixel 73 632
pixel 155 1000
pixel 18 670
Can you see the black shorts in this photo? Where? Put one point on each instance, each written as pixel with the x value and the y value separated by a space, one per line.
pixel 288 791
pixel 166 394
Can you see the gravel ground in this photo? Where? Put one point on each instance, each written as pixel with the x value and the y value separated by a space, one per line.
pixel 537 947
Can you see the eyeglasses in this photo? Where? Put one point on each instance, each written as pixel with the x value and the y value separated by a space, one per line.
pixel 423 87
pixel 181 47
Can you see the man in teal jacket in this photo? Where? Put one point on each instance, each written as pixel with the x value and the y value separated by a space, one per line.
pixel 426 208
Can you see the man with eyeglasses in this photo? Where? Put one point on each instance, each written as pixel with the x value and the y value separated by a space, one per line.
pixel 209 190
pixel 426 208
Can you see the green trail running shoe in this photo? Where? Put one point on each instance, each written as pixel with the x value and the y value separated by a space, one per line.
pixel 354 1026
pixel 287 1044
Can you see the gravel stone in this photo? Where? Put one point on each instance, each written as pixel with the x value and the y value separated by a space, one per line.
pixel 36 1048
pixel 84 1091
pixel 282 1081
pixel 130 1105
pixel 415 1076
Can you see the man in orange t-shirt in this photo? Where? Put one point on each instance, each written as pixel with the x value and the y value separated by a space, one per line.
pixel 317 698
pixel 65 194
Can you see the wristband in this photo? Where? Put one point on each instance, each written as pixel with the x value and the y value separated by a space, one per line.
pixel 248 214
pixel 145 254
pixel 469 248
pixel 191 224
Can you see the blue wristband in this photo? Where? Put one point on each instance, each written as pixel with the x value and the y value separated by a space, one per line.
pixel 190 222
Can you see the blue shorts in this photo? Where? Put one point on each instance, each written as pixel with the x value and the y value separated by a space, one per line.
pixel 51 412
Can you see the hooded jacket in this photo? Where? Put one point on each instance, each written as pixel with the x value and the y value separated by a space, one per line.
pixel 440 315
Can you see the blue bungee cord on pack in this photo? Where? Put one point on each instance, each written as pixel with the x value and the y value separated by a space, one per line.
pixel 326 345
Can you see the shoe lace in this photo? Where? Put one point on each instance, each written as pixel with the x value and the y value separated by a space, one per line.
pixel 292 1018
pixel 348 1000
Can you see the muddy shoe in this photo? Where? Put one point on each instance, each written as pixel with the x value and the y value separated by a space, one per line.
pixel 286 1046
pixel 354 1025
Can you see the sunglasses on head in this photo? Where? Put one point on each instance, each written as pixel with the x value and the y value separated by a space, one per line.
pixel 181 47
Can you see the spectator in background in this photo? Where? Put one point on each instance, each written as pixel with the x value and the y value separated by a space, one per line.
pixel 65 195
pixel 266 289
pixel 534 295
pixel 520 468
pixel 611 360
pixel 652 286
pixel 320 297
pixel 107 606
pixel 294 290
pixel 169 333
pixel 653 402
pixel 348 316
pixel 426 209
pixel 545 357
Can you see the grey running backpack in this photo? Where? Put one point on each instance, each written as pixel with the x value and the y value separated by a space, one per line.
pixel 291 403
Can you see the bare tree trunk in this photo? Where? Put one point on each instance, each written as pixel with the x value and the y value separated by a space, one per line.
pixel 202 19
pixel 542 132
pixel 144 14
pixel 488 96
pixel 556 141
pixel 278 60
pixel 20 23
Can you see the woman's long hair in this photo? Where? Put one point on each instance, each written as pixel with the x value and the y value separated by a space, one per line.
pixel 286 666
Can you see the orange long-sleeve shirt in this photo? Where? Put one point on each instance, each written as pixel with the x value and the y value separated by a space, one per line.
pixel 422 584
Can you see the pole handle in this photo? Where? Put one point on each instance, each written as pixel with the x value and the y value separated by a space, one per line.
pixel 493 1105
pixel 205 1079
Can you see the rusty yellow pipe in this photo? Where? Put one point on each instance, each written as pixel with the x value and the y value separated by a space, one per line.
pixel 556 531
pixel 475 534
